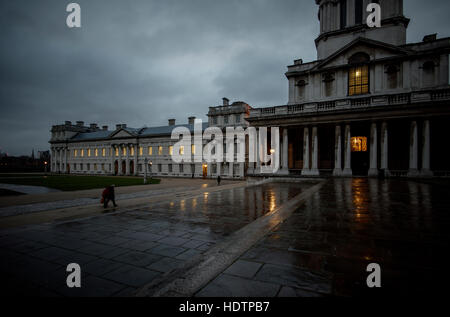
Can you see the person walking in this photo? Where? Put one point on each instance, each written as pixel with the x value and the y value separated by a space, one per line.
pixel 218 180
pixel 109 195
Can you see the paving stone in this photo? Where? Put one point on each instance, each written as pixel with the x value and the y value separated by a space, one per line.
pixel 139 245
pixel 132 276
pixel 189 254
pixel 173 241
pixel 243 268
pixel 233 286
pixel 192 244
pixel 165 265
pixel 137 258
pixel 167 250
pixel 100 267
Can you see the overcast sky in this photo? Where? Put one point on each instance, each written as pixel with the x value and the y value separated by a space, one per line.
pixel 142 62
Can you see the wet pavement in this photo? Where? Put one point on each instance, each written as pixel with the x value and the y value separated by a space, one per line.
pixel 28 190
pixel 121 252
pixel 324 248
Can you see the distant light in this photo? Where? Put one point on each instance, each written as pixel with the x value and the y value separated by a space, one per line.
pixel 272 151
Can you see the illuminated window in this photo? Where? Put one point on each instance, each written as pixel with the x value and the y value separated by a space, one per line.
pixel 358 80
pixel 359 144
pixel 132 151
pixel 150 150
pixel 89 152
pixel 82 153
pixel 75 153
pixel 141 151
pixel 160 150
pixel 193 149
pixel 181 150
pixel 117 152
pixel 124 151
pixel 171 150
pixel 103 152
pixel 96 152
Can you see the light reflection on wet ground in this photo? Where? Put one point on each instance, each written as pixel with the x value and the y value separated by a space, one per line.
pixel 121 252
pixel 325 246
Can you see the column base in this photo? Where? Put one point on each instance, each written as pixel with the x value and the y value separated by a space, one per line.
pixel 347 172
pixel 413 173
pixel 426 173
pixel 337 172
pixel 306 172
pixel 283 172
pixel 373 172
pixel 313 172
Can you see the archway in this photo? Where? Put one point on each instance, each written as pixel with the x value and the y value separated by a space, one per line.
pixel 124 167
pixel 360 148
pixel 116 168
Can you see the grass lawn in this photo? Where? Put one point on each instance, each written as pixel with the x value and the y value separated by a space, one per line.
pixel 71 182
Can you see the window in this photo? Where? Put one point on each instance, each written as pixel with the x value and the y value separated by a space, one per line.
pixel 215 120
pixel 82 153
pixel 181 168
pixel 150 150
pixel 225 119
pixel 117 151
pixel 301 87
pixel 75 153
pixel 88 166
pixel 181 150
pixel 193 149
pixel 103 167
pixel 169 166
pixel 171 150
pixel 343 13
pixel 96 152
pixel 359 144
pixel 159 168
pixel 89 152
pixel 75 166
pixel 392 76
pixel 81 166
pixel 132 151
pixel 358 11
pixel 160 150
pixel 95 167
pixel 238 118
pixel 124 151
pixel 141 151
pixel 358 80
pixel 428 73
pixel 328 79
pixel 103 152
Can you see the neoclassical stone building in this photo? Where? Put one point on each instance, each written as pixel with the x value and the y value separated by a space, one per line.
pixel 80 149
pixel 371 104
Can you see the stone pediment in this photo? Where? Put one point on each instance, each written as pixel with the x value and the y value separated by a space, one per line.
pixel 121 134
pixel 375 49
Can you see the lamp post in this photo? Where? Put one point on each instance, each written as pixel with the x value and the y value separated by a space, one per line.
pixel 145 170
pixel 45 167
pixel 151 173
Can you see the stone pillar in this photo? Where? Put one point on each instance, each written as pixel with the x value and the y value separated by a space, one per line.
pixel 219 168
pixel 373 171
pixel 241 170
pixel 426 159
pixel 135 165
pixel 258 154
pixel 285 152
pixel 347 153
pixel 384 149
pixel 119 161
pixel 315 153
pixel 230 171
pixel 127 160
pixel 61 170
pixel 306 170
pixel 413 151
pixel 337 152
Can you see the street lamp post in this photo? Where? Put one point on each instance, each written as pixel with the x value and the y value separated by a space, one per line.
pixel 151 172
pixel 145 170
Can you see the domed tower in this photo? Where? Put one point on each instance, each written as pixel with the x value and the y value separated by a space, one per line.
pixel 342 21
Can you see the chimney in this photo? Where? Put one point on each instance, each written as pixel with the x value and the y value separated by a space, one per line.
pixel 68 123
pixel 93 126
pixel 172 122
pixel 124 126
pixel 430 38
pixel 118 126
pixel 80 123
pixel 226 102
pixel 105 128
pixel 191 120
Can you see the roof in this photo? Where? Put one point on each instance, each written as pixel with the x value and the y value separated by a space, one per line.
pixel 143 132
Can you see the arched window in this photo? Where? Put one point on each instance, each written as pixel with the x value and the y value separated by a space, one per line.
pixel 428 73
pixel 392 76
pixel 358 74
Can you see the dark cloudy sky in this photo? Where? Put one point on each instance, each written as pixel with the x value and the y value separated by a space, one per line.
pixel 141 62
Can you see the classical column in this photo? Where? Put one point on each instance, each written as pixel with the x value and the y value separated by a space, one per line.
pixel 61 160
pixel 305 170
pixel 127 158
pixel 230 171
pixel 348 152
pixel 337 152
pixel 315 153
pixel 384 149
pixel 285 152
pixel 119 161
pixel 373 171
pixel 135 165
pixel 413 151
pixel 258 154
pixel 241 170
pixel 426 160
pixel 219 168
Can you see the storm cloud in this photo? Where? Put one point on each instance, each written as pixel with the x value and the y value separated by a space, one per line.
pixel 141 62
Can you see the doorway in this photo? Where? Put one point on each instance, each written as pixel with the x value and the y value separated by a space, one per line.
pixel 116 168
pixel 360 150
pixel 205 170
